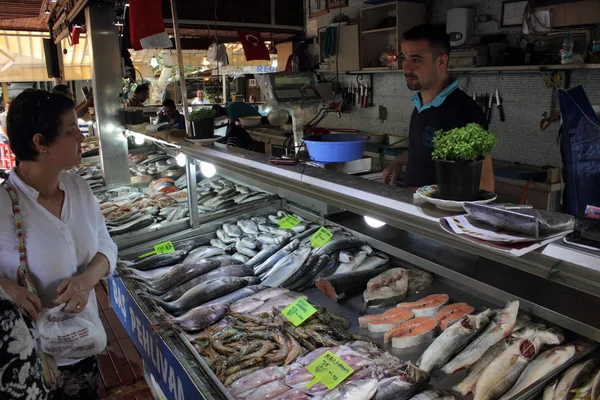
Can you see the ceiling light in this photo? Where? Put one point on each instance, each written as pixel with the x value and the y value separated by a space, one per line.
pixel 207 169
pixel 274 63
pixel 374 223
pixel 205 61
pixel 181 159
pixel 138 139
pixel 154 62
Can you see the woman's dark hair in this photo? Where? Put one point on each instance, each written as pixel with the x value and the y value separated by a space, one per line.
pixel 61 89
pixel 141 88
pixel 169 103
pixel 35 111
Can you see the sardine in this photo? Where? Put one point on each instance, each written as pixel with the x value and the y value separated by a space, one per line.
pixel 452 340
pixel 203 252
pixel 196 319
pixel 497 330
pixel 280 273
pixel 411 381
pixel 541 366
pixel 232 230
pixel 157 261
pixel 503 372
pixel 341 244
pixel 205 292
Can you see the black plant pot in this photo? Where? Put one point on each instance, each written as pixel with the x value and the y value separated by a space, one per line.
pixel 203 129
pixel 458 180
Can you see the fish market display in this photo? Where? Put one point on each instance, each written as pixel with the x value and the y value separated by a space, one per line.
pixel 452 313
pixel 566 387
pixel 386 289
pixel 342 286
pixel 427 306
pixel 90 172
pixel 411 332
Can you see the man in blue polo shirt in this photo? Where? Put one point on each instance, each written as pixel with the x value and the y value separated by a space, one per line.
pixel 439 104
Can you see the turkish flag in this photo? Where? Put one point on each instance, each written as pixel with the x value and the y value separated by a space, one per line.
pixel 254 46
pixel 147 26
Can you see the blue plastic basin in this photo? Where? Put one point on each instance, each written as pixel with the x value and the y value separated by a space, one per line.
pixel 336 148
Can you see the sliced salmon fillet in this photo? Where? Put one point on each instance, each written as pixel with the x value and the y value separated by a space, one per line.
pixel 364 321
pixel 451 313
pixel 385 323
pixel 411 332
pixel 428 306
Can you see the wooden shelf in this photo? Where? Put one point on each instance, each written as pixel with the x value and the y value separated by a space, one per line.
pixel 381 30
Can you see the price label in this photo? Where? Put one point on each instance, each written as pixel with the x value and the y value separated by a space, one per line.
pixel 299 311
pixel 321 237
pixel 288 222
pixel 164 247
pixel 330 370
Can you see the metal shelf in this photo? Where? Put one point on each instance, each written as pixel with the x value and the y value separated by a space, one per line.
pixel 495 69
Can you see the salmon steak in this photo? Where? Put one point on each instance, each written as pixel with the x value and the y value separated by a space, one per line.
pixel 411 332
pixel 428 306
pixel 385 323
pixel 452 313
pixel 364 321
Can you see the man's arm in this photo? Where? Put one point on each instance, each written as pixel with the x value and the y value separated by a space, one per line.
pixel 487 175
pixel 391 173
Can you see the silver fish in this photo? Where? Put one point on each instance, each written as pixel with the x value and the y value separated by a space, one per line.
pixel 411 381
pixel 341 244
pixel 452 340
pixel 346 256
pixel 232 230
pixel 278 302
pixel 145 275
pixel 251 243
pixel 218 243
pixel 573 378
pixel 265 228
pixel 278 231
pixel 241 257
pixel 374 261
pixel 351 266
pixel 503 372
pixel 299 228
pixel 202 252
pixel 244 250
pixel 541 366
pixel 274 219
pixel 497 330
pixel 223 237
pixel 248 226
pixel 549 391
pixel 260 220
pixel 267 238
pixel 270 293
pixel 286 267
pixel 272 260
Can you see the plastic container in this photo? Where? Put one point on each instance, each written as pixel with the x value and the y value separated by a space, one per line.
pixel 458 180
pixel 336 148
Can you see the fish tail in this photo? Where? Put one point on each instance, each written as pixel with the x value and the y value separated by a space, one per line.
pixel 130 276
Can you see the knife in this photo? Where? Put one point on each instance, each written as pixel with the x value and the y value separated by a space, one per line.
pixel 499 104
pixel 489 109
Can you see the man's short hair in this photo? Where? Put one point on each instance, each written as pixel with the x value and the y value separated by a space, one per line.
pixel 61 89
pixel 142 88
pixel 435 35
pixel 169 103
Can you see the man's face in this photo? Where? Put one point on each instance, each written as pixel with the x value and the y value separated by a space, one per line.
pixel 421 70
pixel 169 111
pixel 200 94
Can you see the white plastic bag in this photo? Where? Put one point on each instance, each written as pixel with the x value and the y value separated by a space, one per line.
pixel 71 336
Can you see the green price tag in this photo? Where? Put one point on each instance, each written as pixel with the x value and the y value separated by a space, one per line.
pixel 321 237
pixel 161 248
pixel 288 222
pixel 299 311
pixel 330 370
pixel 164 247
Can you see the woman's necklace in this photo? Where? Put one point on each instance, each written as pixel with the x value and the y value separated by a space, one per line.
pixel 27 181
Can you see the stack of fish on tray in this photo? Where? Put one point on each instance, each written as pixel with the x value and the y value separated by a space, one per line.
pixel 91 172
pixel 218 193
pixel 151 164
pixel 580 382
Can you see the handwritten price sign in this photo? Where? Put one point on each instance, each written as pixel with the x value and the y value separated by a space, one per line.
pixel 321 237
pixel 288 222
pixel 161 248
pixel 330 370
pixel 299 311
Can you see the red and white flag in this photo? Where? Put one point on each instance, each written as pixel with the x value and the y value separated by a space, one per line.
pixel 147 25
pixel 254 46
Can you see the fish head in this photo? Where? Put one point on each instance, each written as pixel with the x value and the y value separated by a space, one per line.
pixel 529 348
pixel 508 315
pixel 481 319
pixel 411 374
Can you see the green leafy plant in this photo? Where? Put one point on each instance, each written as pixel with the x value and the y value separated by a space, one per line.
pixel 469 143
pixel 202 114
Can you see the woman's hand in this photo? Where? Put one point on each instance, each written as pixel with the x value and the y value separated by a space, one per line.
pixel 27 301
pixel 73 293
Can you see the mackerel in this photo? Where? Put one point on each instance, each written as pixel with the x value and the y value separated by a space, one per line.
pixel 244 250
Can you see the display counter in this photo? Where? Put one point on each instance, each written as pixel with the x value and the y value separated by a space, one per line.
pixel 412 238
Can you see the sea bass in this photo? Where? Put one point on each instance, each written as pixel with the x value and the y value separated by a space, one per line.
pixel 573 378
pixel 542 365
pixel 402 387
pixel 503 372
pixel 498 329
pixel 452 340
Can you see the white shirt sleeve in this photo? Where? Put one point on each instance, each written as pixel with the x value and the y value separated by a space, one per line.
pixel 106 245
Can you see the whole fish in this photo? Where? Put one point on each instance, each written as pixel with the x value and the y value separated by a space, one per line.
pixel 180 274
pixel 351 266
pixel 346 256
pixel 132 226
pixel 340 244
pixel 309 277
pixel 248 226
pixel 266 252
pixel 196 319
pixel 541 366
pixel 411 381
pixel 251 243
pixel 363 389
pixel 239 294
pixel 126 272
pixel 157 261
pixel 241 257
pixel 223 237
pixel 244 250
pixel 218 243
pixel 549 391
pixel 232 230
pixel 452 340
pixel 260 220
pixel 498 329
pixel 573 378
pixel 304 268
pixel 272 260
pixel 270 293
pixel 278 231
pixel 372 262
pixel 228 270
pixel 205 292
pixel 330 267
pixel 202 253
pixel 269 239
pixel 257 379
pixel 287 267
pixel 503 372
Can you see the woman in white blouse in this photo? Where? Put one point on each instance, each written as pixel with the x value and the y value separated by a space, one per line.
pixel 67 244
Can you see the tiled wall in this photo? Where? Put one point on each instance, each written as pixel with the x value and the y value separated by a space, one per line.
pixel 524 94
